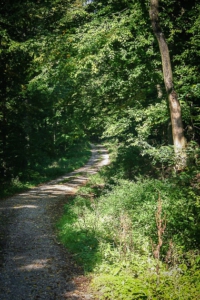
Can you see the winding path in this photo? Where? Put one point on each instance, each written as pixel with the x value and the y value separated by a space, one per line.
pixel 34 265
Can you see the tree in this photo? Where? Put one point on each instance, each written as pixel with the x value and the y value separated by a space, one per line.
pixel 91 68
pixel 36 122
pixel 175 108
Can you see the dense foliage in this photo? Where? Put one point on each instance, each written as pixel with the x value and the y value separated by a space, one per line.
pixel 37 119
pixel 139 238
pixel 74 71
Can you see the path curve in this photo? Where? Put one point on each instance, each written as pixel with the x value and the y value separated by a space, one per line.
pixel 34 265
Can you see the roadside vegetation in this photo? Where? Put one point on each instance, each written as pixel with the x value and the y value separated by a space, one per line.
pixel 138 238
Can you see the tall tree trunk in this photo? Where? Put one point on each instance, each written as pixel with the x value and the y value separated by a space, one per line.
pixel 174 105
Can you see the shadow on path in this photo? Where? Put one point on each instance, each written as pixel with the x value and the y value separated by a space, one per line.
pixel 35 265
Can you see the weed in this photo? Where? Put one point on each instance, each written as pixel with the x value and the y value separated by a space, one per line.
pixel 109 234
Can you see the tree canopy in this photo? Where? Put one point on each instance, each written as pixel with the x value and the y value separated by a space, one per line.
pixel 75 70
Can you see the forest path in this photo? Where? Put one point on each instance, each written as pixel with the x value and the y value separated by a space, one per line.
pixel 34 265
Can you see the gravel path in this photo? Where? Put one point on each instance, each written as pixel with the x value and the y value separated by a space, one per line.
pixel 33 264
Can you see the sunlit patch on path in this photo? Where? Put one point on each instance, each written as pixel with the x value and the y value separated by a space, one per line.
pixel 34 265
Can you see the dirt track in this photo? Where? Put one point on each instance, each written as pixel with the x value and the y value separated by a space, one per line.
pixel 33 264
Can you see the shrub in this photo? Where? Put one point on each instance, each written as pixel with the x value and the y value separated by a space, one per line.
pixel 114 233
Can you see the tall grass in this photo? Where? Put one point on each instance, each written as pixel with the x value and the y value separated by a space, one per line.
pixel 113 232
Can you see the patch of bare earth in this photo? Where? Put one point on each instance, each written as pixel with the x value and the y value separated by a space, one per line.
pixel 33 264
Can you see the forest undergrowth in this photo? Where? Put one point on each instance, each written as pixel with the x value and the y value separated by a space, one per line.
pixel 137 237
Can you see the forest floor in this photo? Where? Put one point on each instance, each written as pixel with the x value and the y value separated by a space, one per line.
pixel 33 264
